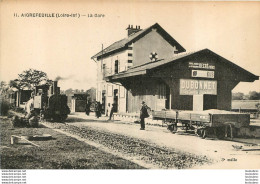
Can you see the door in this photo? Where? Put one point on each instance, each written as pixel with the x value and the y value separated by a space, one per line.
pixel 103 101
pixel 167 100
pixel 116 100
pixel 210 102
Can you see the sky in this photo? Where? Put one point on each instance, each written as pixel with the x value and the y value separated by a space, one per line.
pixel 62 47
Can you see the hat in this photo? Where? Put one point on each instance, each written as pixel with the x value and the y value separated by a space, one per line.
pixel 143 102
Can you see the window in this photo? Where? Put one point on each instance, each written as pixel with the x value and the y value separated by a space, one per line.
pixel 162 91
pixel 116 66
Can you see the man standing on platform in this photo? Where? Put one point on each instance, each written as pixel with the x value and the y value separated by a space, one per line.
pixel 112 111
pixel 88 107
pixel 143 114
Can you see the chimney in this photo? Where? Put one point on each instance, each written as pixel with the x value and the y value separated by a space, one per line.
pixel 131 30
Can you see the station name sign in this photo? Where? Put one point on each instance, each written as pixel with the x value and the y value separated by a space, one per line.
pixel 199 65
pixel 198 87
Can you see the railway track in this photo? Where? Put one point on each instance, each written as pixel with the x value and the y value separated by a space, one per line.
pixel 163 157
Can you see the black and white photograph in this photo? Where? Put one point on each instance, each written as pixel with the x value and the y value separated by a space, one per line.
pixel 129 91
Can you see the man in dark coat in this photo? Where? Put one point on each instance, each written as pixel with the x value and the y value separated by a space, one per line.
pixel 88 107
pixel 143 114
pixel 112 111
pixel 97 109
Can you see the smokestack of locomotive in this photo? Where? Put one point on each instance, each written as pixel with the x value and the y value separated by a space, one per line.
pixel 54 89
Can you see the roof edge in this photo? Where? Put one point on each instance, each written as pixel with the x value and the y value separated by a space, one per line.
pixel 256 77
pixel 161 31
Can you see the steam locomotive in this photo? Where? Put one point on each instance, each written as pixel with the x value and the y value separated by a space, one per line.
pixel 49 103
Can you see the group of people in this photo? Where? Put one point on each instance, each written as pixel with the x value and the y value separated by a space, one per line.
pixel 111 109
pixel 98 109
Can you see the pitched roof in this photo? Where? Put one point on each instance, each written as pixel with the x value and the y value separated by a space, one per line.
pixel 123 44
pixel 142 69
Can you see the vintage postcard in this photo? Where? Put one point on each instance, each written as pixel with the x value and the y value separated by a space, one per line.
pixel 94 86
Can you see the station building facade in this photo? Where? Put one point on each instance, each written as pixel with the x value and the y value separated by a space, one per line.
pixel 149 65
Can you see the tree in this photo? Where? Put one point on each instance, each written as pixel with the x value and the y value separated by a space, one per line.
pixel 253 95
pixel 2 84
pixel 237 96
pixel 3 87
pixel 30 78
pixel 15 84
pixel 91 94
pixel 69 92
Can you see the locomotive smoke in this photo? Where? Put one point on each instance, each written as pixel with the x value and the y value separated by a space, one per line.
pixel 63 78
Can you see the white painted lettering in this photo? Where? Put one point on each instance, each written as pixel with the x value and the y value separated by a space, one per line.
pixel 213 85
pixel 205 85
pixel 196 84
pixel 187 85
pixel 182 84
pixel 192 84
pixel 209 85
pixel 201 86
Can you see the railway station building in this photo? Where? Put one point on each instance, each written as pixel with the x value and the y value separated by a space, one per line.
pixel 150 65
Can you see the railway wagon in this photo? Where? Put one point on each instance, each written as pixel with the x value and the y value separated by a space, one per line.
pixel 206 123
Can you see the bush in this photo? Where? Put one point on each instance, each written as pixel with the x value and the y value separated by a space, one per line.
pixel 4 107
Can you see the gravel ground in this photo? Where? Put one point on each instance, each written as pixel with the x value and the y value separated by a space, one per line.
pixel 163 157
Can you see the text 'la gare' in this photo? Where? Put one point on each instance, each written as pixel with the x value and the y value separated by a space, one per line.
pixel 96 15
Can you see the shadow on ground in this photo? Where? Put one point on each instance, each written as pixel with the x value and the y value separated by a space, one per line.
pixel 94 120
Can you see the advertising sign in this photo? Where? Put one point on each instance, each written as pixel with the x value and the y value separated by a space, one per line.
pixel 202 73
pixel 201 65
pixel 198 87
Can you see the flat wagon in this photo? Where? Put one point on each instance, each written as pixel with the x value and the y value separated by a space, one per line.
pixel 206 123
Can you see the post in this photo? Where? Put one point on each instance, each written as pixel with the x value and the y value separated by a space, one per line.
pixel 170 99
pixel 73 105
pixel 102 59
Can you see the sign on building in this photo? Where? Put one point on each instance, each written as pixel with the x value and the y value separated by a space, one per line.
pixel 201 65
pixel 202 73
pixel 198 87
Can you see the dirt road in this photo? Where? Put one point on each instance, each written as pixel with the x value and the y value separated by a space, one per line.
pixel 158 146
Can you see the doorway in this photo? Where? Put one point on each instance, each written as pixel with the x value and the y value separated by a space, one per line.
pixel 116 100
pixel 167 95
pixel 210 102
pixel 103 101
pixel 204 102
